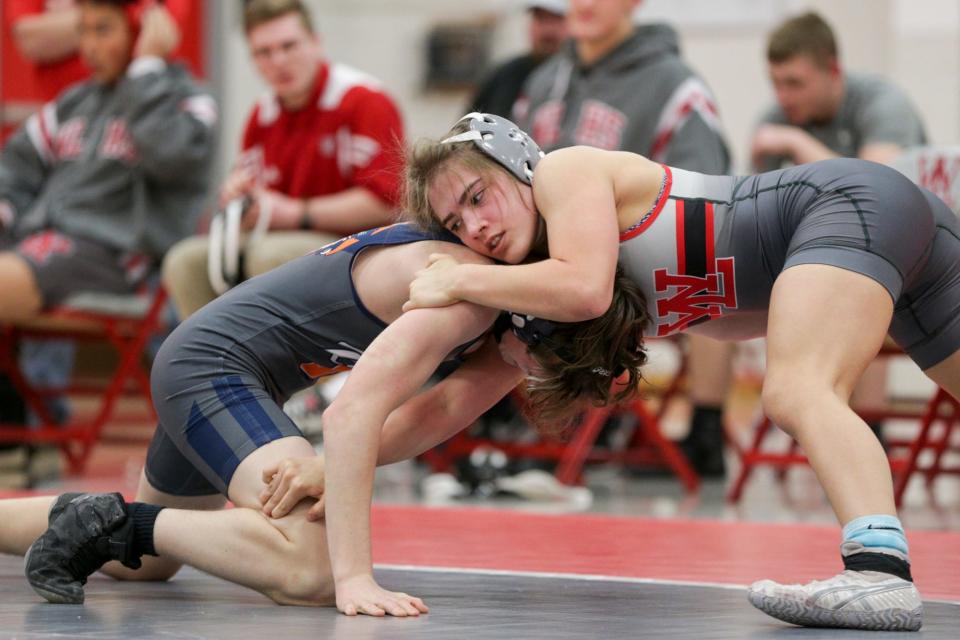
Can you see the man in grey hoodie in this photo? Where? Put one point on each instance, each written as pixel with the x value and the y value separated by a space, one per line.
pixel 618 85
pixel 96 186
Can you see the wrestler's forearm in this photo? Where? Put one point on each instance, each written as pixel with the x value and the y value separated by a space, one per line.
pixel 390 372
pixel 351 440
pixel 448 407
pixel 550 289
pixel 350 448
pixel 805 148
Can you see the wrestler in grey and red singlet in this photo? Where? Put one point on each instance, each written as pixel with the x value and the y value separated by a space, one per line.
pixel 709 251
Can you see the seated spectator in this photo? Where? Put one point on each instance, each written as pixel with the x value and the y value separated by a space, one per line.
pixel 46 34
pixel 321 150
pixel 823 111
pixel 103 180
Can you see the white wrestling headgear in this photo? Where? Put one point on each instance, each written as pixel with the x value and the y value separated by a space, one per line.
pixel 503 141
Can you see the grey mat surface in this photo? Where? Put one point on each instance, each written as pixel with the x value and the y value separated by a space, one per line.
pixel 463 606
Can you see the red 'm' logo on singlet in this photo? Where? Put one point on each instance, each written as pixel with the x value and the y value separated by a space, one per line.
pixel 695 298
pixel 704 286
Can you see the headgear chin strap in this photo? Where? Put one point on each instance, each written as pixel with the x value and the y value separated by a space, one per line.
pixel 531 331
pixel 503 141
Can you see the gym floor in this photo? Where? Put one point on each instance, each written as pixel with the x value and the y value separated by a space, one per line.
pixel 641 557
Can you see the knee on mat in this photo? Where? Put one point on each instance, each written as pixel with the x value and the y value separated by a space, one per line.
pixel 307 578
pixel 306 583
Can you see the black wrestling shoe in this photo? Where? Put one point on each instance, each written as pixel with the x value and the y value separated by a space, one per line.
pixel 87 531
pixel 60 504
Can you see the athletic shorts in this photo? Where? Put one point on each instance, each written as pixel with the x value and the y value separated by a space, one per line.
pixel 926 318
pixel 858 216
pixel 64 265
pixel 207 429
pixel 872 220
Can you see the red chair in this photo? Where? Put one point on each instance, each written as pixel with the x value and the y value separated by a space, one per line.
pixel 945 410
pixel 125 322
pixel 942 410
pixel 934 168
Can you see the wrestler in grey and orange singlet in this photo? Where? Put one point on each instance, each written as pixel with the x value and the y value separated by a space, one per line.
pixel 220 380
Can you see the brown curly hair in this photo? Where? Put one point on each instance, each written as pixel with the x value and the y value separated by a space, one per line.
pixel 592 363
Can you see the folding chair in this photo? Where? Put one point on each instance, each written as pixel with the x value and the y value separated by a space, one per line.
pixel 942 409
pixel 936 169
pixel 945 410
pixel 126 323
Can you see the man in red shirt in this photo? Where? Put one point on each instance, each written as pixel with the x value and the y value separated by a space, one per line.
pixel 322 151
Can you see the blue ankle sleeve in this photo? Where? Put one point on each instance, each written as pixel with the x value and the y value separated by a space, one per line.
pixel 877 531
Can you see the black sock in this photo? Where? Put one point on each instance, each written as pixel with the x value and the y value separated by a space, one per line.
pixel 144 517
pixel 706 418
pixel 883 562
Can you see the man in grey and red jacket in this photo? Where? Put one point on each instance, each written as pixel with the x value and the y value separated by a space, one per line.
pixel 618 85
pixel 104 179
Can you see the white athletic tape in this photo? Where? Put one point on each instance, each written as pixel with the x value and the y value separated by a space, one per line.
pixel 223 250
pixel 231 239
pixel 215 255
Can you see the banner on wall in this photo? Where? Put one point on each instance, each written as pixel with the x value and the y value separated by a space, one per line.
pixel 936 168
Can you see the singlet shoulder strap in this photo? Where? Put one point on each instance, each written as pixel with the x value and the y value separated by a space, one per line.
pixel 400 233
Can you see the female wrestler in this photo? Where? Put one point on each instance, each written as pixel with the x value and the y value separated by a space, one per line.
pixel 219 382
pixel 823 259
